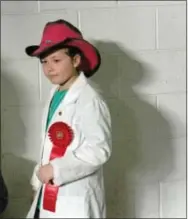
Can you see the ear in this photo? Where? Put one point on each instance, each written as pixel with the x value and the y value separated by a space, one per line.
pixel 76 60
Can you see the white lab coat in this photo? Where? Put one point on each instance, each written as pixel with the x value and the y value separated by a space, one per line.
pixel 79 172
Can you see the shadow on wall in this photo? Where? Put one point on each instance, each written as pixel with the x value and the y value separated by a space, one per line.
pixel 142 151
pixel 16 169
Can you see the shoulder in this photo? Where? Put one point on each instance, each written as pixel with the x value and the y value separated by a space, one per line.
pixel 90 93
pixel 91 97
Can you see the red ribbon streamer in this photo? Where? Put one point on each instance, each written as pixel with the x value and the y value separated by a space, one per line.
pixel 61 136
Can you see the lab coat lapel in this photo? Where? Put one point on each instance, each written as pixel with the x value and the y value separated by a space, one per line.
pixel 71 96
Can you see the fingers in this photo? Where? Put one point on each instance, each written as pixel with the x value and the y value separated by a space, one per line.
pixel 43 179
pixel 45 173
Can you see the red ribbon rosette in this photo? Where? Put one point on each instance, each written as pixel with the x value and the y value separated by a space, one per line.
pixel 61 136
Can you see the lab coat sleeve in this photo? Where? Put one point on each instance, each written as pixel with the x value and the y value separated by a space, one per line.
pixel 35 183
pixel 95 125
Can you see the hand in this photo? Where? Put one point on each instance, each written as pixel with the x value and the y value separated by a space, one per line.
pixel 45 173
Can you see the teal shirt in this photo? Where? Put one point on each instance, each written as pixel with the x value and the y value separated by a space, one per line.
pixel 56 100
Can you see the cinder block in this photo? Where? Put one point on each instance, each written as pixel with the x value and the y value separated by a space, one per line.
pixel 147 201
pixel 19 7
pixel 173 108
pixel 178 160
pixel 98 27
pixel 121 25
pixel 17 173
pixel 13 41
pixel 173 199
pixel 21 132
pixel 134 118
pixel 149 3
pixel 119 193
pixel 150 159
pixel 17 208
pixel 106 78
pixel 154 72
pixel 147 161
pixel 172 27
pixel 58 5
pixel 19 82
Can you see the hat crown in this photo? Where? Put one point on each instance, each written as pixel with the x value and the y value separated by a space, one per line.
pixel 58 32
pixel 62 34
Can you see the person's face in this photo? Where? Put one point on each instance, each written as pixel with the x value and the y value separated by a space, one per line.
pixel 59 68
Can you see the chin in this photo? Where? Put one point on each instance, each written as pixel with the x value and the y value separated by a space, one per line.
pixel 55 82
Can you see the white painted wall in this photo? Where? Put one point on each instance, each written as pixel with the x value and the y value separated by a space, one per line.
pixel 143 76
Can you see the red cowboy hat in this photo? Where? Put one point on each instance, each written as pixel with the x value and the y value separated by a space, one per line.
pixel 61 33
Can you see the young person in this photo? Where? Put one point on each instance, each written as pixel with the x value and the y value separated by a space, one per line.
pixel 76 131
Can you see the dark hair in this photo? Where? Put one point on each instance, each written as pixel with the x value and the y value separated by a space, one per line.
pixel 71 51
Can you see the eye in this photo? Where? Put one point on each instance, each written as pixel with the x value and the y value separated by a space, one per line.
pixel 56 60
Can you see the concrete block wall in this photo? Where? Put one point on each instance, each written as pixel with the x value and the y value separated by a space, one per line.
pixel 143 78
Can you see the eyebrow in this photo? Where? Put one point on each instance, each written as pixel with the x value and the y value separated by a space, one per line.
pixel 54 56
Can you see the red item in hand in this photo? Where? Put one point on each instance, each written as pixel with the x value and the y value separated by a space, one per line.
pixel 61 135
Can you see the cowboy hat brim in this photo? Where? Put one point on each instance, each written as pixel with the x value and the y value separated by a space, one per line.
pixel 91 59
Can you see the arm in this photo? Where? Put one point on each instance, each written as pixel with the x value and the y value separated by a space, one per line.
pixel 90 156
pixel 35 182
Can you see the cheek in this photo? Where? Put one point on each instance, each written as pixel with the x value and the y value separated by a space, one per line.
pixel 45 71
pixel 66 68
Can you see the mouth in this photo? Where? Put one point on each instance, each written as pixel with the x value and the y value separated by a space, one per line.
pixel 52 76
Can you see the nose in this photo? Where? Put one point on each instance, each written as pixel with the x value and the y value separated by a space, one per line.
pixel 49 67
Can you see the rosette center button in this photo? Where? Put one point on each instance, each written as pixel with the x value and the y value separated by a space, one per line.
pixel 59 135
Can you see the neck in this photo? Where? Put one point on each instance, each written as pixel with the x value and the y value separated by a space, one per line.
pixel 67 84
